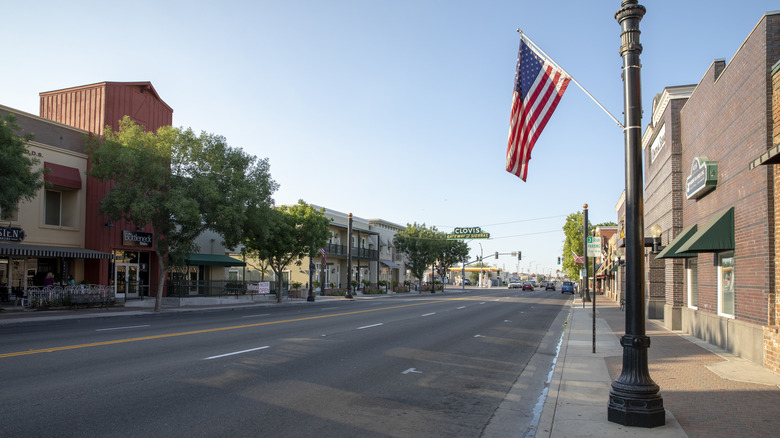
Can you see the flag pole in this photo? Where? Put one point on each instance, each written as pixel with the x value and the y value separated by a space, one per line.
pixel 524 36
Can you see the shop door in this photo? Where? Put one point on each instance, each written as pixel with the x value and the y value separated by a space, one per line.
pixel 126 280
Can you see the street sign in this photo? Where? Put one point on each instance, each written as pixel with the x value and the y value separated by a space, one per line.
pixel 468 233
pixel 594 246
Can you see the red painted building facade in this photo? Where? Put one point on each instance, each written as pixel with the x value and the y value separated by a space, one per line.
pixel 92 108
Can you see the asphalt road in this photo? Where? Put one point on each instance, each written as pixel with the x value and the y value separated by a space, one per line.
pixel 404 366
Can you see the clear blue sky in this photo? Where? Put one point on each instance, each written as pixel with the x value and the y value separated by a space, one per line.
pixel 392 109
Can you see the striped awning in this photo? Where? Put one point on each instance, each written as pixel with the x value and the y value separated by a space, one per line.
pixel 52 251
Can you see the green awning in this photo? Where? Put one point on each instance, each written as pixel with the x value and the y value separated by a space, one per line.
pixel 716 235
pixel 673 248
pixel 212 260
pixel 614 269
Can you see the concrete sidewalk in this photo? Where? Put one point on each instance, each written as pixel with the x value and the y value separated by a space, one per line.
pixel 706 391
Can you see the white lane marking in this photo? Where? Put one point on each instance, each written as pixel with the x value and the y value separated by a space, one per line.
pixel 461 307
pixel 482 302
pixel 429 314
pixel 369 326
pixel 507 320
pixel 478 336
pixel 122 328
pixel 237 352
pixel 411 370
pixel 255 316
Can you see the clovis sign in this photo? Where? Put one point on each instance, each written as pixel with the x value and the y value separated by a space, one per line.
pixel 468 233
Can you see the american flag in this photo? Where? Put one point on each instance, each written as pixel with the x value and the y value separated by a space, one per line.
pixel 578 259
pixel 539 86
pixel 324 260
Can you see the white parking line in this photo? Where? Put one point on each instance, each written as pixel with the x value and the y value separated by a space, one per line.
pixel 429 314
pixel 237 352
pixel 369 326
pixel 122 328
pixel 461 307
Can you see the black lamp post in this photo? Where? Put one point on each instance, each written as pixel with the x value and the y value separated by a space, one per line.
pixel 634 399
pixel 311 270
pixel 585 292
pixel 349 258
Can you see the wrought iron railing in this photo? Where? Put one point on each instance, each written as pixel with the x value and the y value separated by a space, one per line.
pixel 358 253
pixel 217 288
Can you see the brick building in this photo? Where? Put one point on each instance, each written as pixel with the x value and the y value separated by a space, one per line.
pixel 662 150
pixel 727 235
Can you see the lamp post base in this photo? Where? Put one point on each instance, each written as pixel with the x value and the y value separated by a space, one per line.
pixel 635 399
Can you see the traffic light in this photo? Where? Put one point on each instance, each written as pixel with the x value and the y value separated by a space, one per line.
pixel 559 260
pixel 496 254
pixel 519 255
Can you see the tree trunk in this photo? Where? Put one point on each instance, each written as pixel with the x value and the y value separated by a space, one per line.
pixel 160 283
pixel 279 284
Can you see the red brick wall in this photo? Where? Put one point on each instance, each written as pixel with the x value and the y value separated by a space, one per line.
pixel 772 331
pixel 726 120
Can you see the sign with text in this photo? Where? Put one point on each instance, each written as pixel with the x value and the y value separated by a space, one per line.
pixel 594 246
pixel 11 234
pixel 135 238
pixel 468 233
pixel 702 179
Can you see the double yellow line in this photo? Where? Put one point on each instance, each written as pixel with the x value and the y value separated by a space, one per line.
pixel 195 332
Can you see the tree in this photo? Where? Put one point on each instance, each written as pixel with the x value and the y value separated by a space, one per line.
pixel 419 244
pixel 573 242
pixel 180 183
pixel 17 177
pixel 291 233
pixel 452 252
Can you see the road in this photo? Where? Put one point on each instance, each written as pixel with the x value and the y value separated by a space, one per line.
pixel 415 365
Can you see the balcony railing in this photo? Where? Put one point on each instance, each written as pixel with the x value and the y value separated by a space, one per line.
pixel 358 253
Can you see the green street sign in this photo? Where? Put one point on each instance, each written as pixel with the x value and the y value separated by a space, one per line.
pixel 468 233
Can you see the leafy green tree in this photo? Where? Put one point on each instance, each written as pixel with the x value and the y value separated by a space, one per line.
pixel 17 177
pixel 451 252
pixel 182 184
pixel 420 245
pixel 572 244
pixel 289 234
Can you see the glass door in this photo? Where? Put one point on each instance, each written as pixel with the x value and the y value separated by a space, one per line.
pixel 126 280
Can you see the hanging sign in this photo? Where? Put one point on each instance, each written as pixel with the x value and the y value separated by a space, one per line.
pixel 468 233
pixel 702 179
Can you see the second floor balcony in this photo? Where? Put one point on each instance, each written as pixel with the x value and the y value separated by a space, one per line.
pixel 333 249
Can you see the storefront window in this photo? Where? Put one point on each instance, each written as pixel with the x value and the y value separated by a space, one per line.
pixel 726 284
pixel 692 272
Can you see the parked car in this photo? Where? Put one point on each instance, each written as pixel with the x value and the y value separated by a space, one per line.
pixel 467 282
pixel 528 286
pixel 534 283
pixel 550 286
pixel 567 286
pixel 515 284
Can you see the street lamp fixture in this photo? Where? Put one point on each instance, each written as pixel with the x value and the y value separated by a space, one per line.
pixel 656 231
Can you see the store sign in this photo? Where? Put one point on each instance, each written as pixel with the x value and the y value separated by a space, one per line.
pixel 134 238
pixel 702 179
pixel 11 234
pixel 468 233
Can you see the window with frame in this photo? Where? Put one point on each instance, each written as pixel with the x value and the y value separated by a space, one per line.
pixel 9 217
pixel 60 208
pixel 52 208
pixel 726 284
pixel 692 274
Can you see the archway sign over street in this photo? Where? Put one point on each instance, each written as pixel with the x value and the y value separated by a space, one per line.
pixel 468 233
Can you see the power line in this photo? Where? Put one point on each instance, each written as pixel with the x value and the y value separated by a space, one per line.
pixel 512 222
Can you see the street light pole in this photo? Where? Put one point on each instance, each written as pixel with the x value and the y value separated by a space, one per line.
pixel 349 258
pixel 585 291
pixel 634 399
